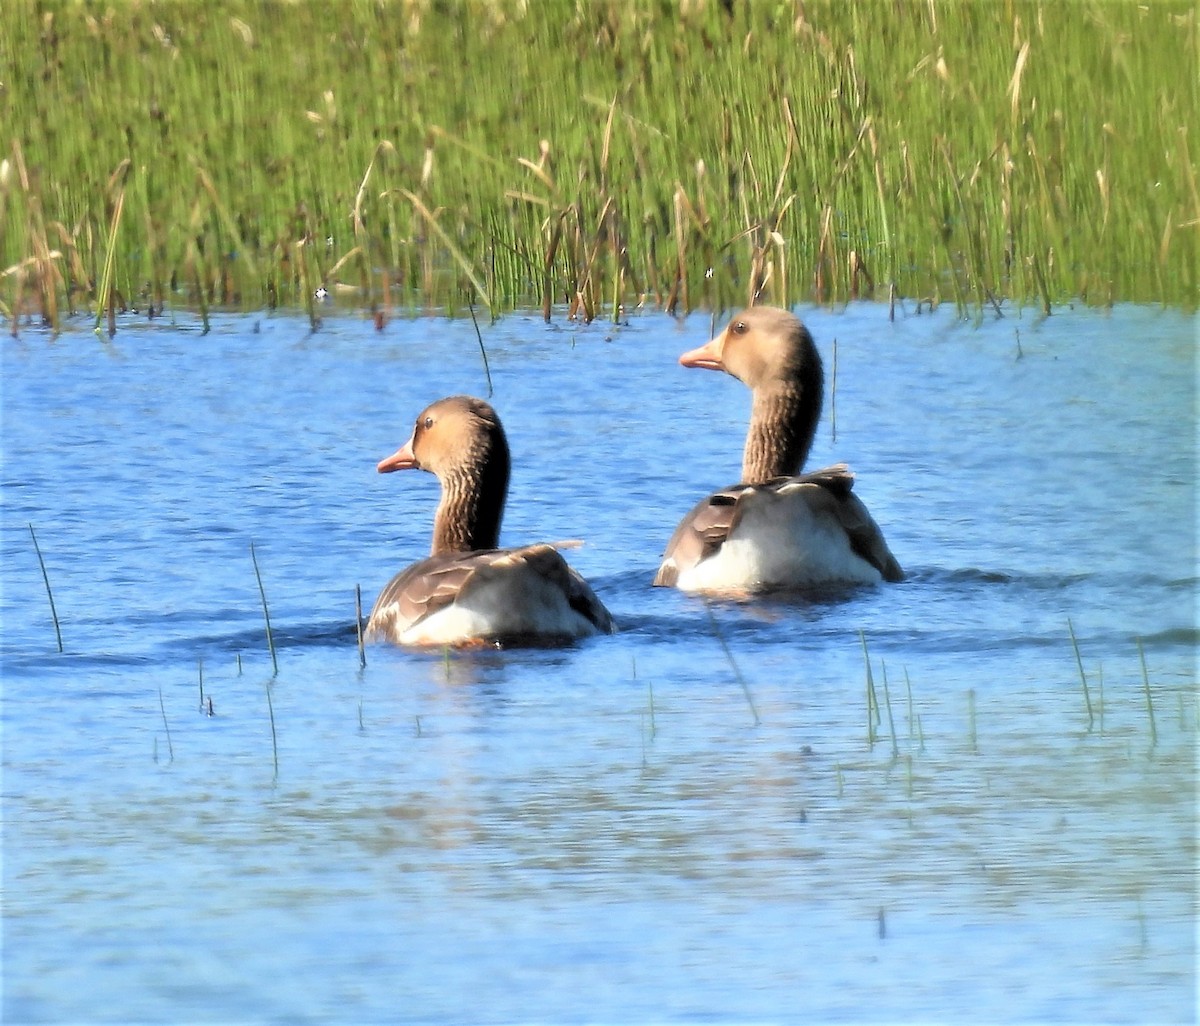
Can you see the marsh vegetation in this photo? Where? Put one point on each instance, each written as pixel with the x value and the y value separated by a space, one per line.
pixel 595 155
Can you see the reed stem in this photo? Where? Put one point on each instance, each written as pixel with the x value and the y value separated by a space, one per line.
pixel 358 625
pixel 1149 697
pixel 166 726
pixel 732 662
pixel 49 593
pixel 482 351
pixel 266 613
pixel 1087 698
pixel 887 698
pixel 104 303
pixel 833 393
pixel 274 739
pixel 873 715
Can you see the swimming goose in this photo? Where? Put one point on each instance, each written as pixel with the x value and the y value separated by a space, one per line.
pixel 777 529
pixel 469 591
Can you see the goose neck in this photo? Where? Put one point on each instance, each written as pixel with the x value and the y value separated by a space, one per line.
pixel 783 422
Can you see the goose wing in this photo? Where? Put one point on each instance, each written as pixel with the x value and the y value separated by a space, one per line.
pixel 712 520
pixel 521 585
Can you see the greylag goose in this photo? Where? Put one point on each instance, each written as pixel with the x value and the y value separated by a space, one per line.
pixel 469 591
pixel 777 529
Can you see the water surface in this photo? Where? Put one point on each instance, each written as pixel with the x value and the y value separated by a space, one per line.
pixel 695 819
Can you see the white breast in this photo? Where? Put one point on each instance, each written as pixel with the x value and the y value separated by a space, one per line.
pixel 514 605
pixel 785 538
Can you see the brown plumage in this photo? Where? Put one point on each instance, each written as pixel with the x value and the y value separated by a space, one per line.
pixel 468 591
pixel 787 529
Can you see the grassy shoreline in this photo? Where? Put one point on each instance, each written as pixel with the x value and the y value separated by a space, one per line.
pixel 597 154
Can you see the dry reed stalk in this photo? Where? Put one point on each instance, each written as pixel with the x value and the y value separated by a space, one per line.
pixel 1014 85
pixel 556 233
pixel 459 258
pixel 301 250
pixel 43 258
pixel 196 264
pixel 1040 278
pixel 105 300
pixel 880 190
pixel 975 268
pixel 822 286
pixel 682 208
pixel 245 255
pixel 362 237
pixel 592 270
pixel 793 144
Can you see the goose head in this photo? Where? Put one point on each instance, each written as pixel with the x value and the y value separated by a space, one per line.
pixel 461 441
pixel 771 352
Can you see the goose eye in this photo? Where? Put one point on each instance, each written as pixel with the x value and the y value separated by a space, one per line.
pixel 428 423
pixel 740 327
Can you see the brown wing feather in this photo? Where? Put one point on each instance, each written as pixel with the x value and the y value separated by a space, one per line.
pixel 865 537
pixel 704 530
pixel 434 583
pixel 700 533
pixel 422 589
pixel 548 562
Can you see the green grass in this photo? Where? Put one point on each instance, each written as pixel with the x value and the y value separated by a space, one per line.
pixel 595 155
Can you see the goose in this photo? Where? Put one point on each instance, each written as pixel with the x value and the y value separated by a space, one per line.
pixel 778 529
pixel 469 591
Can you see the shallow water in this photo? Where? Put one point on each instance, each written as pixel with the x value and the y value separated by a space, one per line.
pixel 690 820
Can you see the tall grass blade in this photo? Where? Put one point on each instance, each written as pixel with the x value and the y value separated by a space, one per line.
pixel 482 351
pixel 1149 697
pixel 887 699
pixel 266 612
pixel 358 626
pixel 166 726
pixel 274 739
pixel 1087 698
pixel 908 688
pixel 732 662
pixel 463 263
pixel 873 715
pixel 833 393
pixel 49 593
pixel 104 300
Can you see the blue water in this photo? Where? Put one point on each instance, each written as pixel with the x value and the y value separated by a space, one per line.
pixel 692 820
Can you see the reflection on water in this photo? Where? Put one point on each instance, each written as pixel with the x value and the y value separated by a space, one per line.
pixel 695 818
